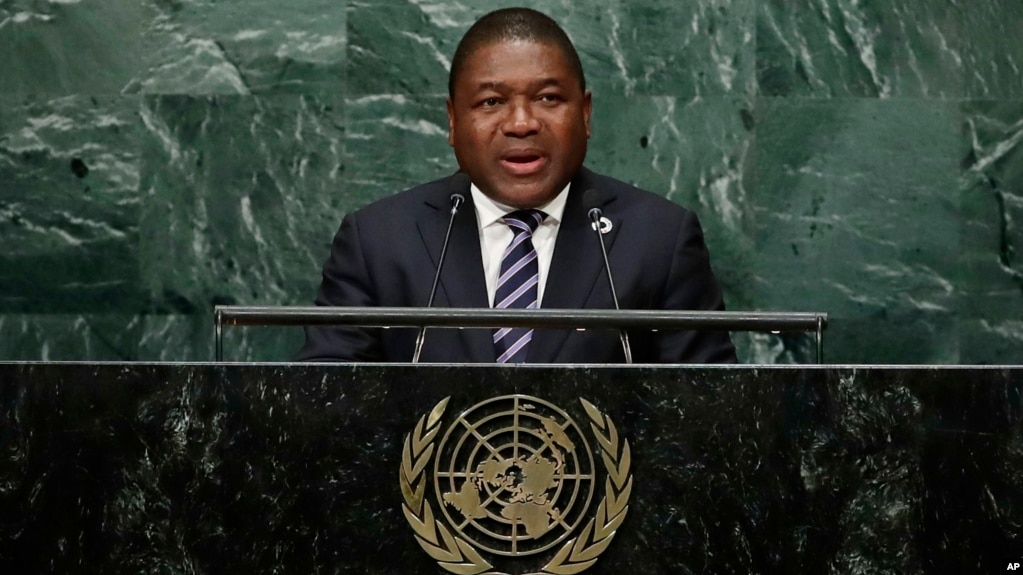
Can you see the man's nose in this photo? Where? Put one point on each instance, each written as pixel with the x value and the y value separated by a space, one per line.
pixel 521 121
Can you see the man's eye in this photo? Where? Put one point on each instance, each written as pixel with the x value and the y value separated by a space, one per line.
pixel 489 102
pixel 550 98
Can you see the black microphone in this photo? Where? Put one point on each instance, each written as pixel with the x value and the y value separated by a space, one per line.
pixel 459 183
pixel 592 200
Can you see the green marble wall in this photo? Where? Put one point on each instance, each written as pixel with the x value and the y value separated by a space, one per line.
pixel 158 157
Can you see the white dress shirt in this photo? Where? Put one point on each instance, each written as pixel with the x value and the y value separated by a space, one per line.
pixel 495 236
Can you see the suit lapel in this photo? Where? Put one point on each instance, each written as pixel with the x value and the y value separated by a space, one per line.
pixel 462 283
pixel 576 266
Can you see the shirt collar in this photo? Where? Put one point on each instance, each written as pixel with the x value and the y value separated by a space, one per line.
pixel 490 212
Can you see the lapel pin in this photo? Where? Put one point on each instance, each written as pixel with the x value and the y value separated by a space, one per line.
pixel 605 225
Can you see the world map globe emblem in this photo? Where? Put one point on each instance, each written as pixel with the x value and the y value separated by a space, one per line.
pixel 515 475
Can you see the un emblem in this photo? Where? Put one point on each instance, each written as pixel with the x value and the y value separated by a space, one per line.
pixel 512 477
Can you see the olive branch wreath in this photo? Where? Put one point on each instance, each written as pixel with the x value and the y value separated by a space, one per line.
pixel 455 555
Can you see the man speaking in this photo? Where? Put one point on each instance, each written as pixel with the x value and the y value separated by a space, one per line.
pixel 521 230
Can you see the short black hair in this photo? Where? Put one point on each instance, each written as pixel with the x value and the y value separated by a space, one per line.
pixel 509 24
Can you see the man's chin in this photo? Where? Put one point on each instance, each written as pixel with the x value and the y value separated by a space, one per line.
pixel 520 192
pixel 525 197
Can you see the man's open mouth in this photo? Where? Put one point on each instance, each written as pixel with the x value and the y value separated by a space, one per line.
pixel 523 159
pixel 523 163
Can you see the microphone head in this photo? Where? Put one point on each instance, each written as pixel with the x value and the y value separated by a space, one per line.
pixel 456 201
pixel 460 182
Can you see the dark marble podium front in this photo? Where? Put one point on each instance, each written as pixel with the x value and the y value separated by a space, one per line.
pixel 237 468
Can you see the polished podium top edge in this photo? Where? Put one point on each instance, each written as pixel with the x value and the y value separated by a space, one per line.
pixel 402 317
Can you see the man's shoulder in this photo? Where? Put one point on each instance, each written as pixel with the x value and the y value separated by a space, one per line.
pixel 629 195
pixel 434 194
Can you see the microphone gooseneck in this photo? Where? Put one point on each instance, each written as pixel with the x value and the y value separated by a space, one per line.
pixel 459 182
pixel 592 200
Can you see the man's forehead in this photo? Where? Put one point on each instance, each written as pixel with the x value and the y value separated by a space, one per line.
pixel 480 64
pixel 532 82
pixel 516 45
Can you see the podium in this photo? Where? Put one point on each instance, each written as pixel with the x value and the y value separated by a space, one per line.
pixel 302 468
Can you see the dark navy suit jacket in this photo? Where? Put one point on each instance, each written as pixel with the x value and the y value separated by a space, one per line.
pixel 386 254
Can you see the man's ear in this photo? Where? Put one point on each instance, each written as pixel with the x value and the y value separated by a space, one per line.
pixel 451 122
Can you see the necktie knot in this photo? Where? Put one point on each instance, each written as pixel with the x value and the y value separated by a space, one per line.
pixel 524 220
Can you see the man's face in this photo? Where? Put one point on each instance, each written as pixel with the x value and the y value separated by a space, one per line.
pixel 518 120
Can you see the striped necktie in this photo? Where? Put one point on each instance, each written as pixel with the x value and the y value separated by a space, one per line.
pixel 517 284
